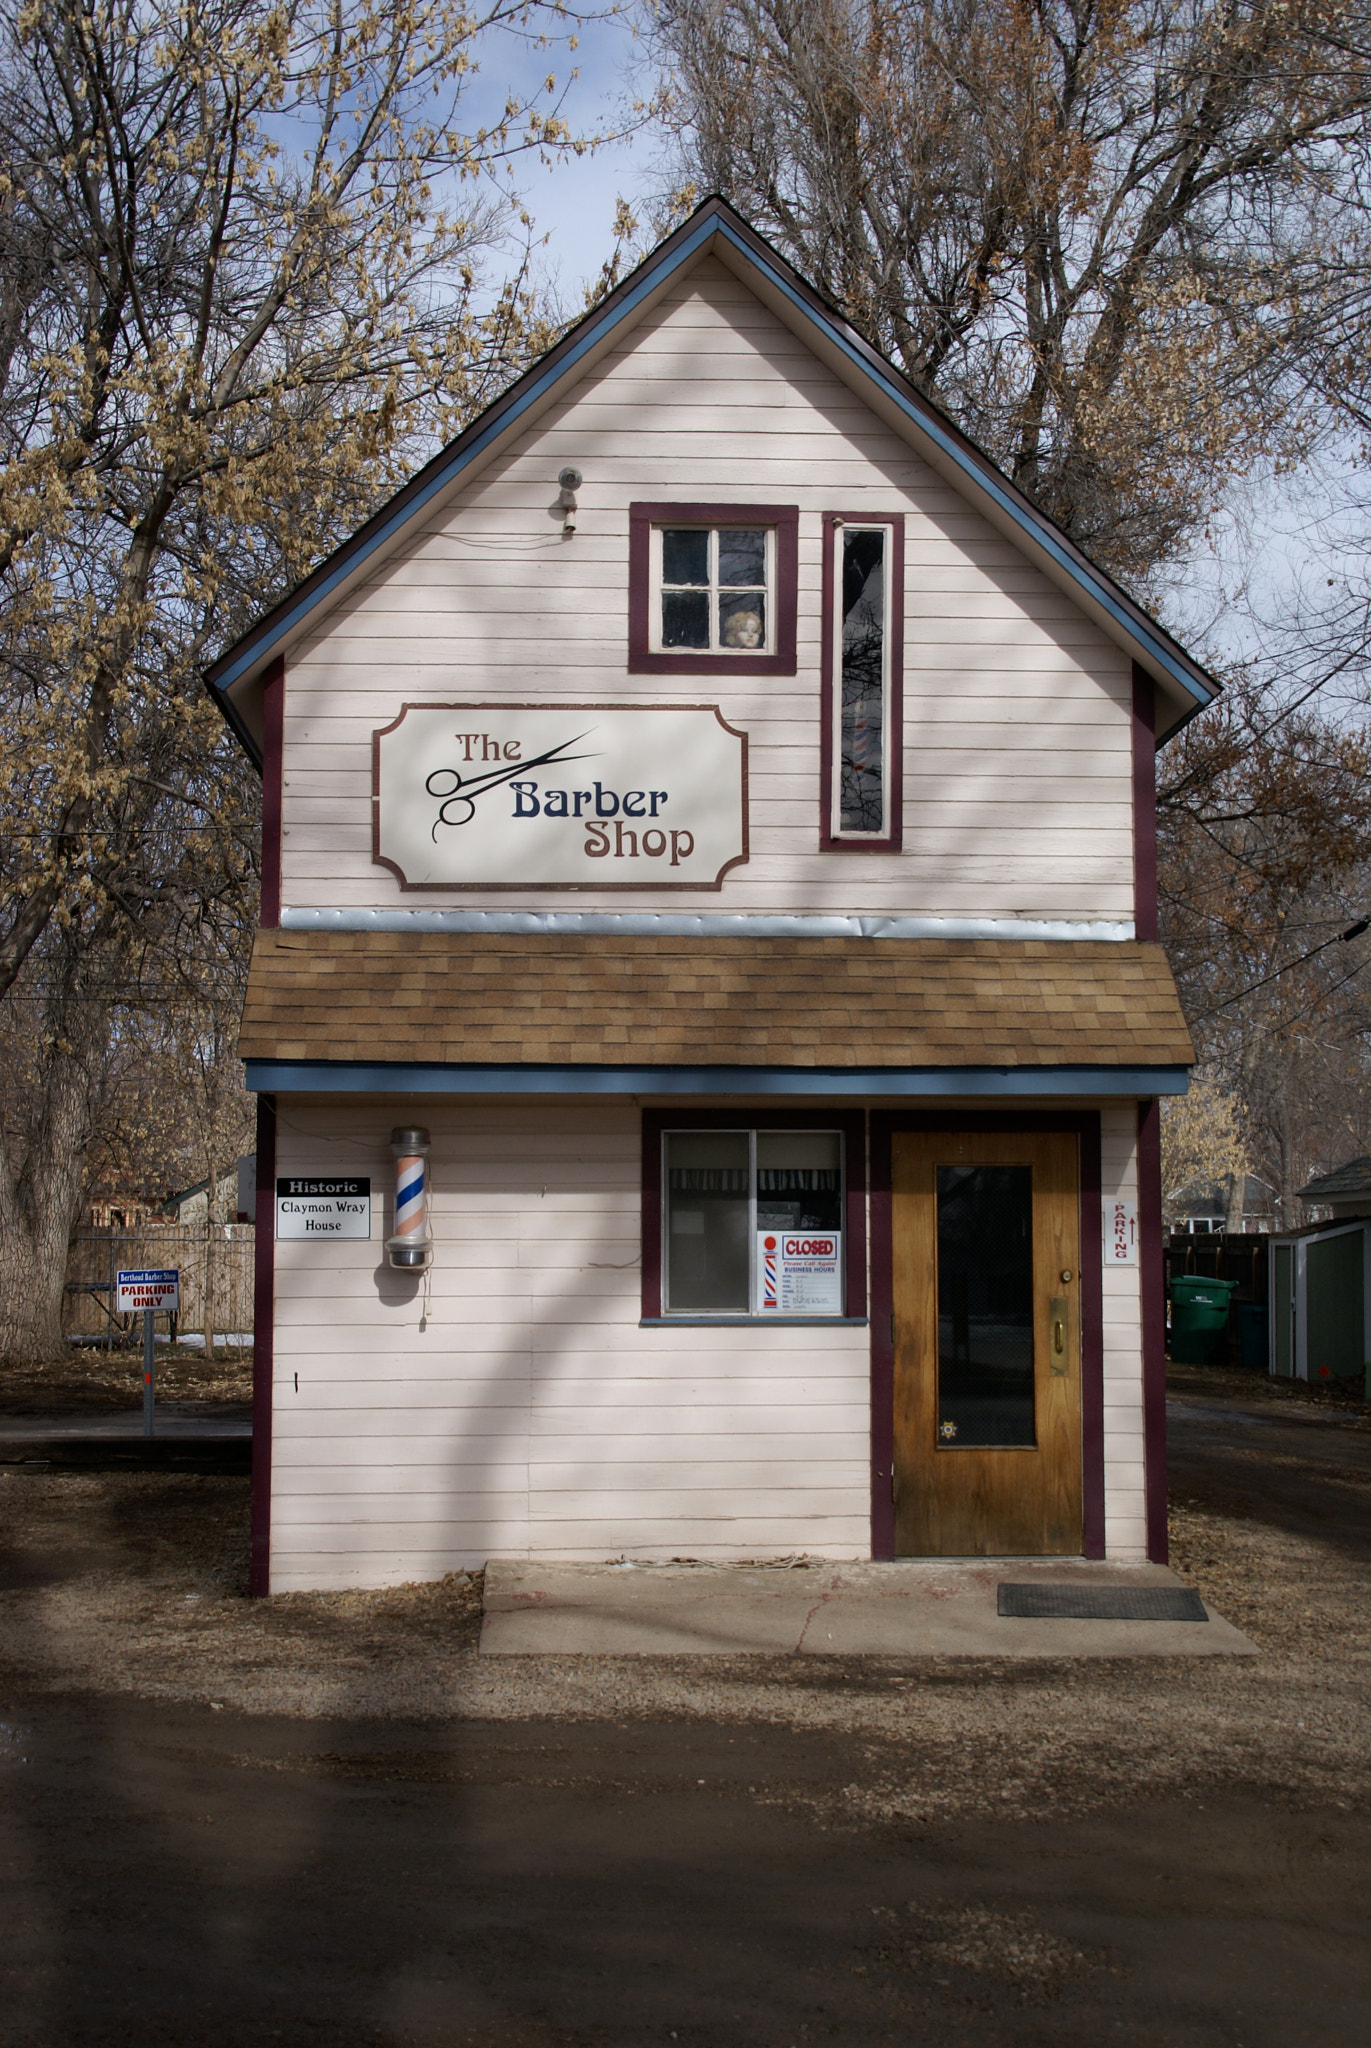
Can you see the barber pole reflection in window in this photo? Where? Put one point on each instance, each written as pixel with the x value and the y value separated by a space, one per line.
pixel 863 629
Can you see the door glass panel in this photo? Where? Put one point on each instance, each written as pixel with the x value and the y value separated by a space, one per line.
pixel 985 1306
pixel 708 1208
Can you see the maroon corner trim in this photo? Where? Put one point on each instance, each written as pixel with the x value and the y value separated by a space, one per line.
pixel 273 736
pixel 379 860
pixel 883 1128
pixel 1086 1125
pixel 643 659
pixel 1144 804
pixel 852 1124
pixel 263 1324
pixel 1152 1286
pixel 830 839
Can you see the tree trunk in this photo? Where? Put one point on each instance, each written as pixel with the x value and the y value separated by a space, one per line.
pixel 40 1201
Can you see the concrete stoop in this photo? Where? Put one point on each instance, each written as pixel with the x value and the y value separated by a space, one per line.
pixel 916 1607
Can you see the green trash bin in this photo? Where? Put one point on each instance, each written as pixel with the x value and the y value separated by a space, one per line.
pixel 1199 1319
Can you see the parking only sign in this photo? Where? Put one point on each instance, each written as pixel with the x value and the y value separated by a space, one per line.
pixel 154 1287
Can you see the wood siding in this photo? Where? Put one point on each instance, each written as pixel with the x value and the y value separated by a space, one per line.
pixel 1017 797
pixel 518 1409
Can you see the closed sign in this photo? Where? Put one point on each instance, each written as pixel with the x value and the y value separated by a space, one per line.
pixel 800 1272
pixel 574 796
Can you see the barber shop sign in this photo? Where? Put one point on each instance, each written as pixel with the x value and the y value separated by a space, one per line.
pixel 561 796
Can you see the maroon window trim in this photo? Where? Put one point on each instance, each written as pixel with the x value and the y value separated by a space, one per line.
pixel 831 840
pixel 852 1124
pixel 273 732
pixel 263 1313
pixel 1086 1125
pixel 1152 1285
pixel 643 660
pixel 1144 804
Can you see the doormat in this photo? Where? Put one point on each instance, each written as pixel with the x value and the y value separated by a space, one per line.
pixel 1047 1600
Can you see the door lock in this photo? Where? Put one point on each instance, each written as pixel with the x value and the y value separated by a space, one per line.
pixel 1058 1350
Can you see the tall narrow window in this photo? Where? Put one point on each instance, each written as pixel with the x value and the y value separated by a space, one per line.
pixel 862 652
pixel 863 626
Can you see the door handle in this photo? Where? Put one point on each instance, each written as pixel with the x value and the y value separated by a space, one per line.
pixel 1058 1344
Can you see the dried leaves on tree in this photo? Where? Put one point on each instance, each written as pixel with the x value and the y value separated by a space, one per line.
pixel 241 252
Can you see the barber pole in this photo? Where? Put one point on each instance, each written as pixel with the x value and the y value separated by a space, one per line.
pixel 770 1298
pixel 412 1245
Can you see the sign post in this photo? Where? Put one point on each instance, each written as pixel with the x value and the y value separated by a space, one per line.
pixel 149 1370
pixel 155 1290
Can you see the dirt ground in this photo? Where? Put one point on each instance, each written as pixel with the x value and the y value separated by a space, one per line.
pixel 91 1378
pixel 324 1818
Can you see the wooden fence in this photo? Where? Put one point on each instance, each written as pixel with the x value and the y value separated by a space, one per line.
pixel 216 1281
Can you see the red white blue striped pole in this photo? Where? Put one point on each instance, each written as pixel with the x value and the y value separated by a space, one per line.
pixel 412 1245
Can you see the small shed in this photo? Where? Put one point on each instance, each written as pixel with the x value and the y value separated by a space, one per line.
pixel 1321 1283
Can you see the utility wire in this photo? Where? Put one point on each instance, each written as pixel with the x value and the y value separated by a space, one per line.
pixel 1354 931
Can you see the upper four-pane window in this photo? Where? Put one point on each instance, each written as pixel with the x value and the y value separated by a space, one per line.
pixel 714 588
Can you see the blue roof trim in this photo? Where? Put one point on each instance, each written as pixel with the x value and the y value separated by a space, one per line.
pixel 982 474
pixel 397 1077
pixel 253 656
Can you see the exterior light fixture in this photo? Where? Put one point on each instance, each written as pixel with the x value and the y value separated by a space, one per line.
pixel 570 481
pixel 411 1248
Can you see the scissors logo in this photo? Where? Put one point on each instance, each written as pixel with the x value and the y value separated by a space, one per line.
pixel 457 793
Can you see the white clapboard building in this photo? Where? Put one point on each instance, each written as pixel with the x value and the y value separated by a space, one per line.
pixel 709 814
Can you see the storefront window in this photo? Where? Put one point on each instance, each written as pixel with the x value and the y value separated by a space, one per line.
pixel 753 1223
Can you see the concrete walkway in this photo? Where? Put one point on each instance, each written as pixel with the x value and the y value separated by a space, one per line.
pixel 913 1608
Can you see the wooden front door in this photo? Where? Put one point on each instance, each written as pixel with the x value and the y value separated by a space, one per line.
pixel 987 1255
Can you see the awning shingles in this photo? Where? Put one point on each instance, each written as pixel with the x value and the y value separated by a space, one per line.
pixel 545 999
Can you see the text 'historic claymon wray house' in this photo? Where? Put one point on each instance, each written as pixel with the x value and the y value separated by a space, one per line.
pixel 708 847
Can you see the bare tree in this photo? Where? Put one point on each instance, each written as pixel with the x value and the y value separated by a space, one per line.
pixel 1265 869
pixel 239 292
pixel 1124 245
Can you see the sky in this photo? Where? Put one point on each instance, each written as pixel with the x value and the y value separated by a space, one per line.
pixel 572 200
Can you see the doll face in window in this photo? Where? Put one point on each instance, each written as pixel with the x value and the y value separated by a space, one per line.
pixel 742 629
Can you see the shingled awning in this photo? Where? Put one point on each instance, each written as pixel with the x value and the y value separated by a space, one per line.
pixel 833 1004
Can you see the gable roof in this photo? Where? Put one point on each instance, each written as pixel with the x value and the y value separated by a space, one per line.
pixel 1183 685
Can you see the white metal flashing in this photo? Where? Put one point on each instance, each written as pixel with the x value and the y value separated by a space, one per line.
pixel 685 925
